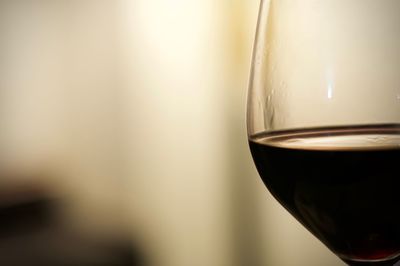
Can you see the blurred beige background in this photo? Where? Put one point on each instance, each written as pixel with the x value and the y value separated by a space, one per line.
pixel 137 109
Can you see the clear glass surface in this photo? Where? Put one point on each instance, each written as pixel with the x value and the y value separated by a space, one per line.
pixel 323 120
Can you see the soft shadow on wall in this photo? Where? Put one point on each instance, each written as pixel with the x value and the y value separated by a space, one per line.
pixel 123 138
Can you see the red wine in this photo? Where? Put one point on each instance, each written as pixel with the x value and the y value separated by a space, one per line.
pixel 341 183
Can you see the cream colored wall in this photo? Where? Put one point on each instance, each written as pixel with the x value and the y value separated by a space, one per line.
pixel 139 107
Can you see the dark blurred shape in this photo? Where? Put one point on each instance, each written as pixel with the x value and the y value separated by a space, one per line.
pixel 25 217
pixel 31 233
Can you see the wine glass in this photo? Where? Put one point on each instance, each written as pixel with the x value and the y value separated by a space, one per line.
pixel 323 120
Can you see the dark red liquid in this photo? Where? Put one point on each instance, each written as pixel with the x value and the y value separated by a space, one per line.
pixel 340 183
